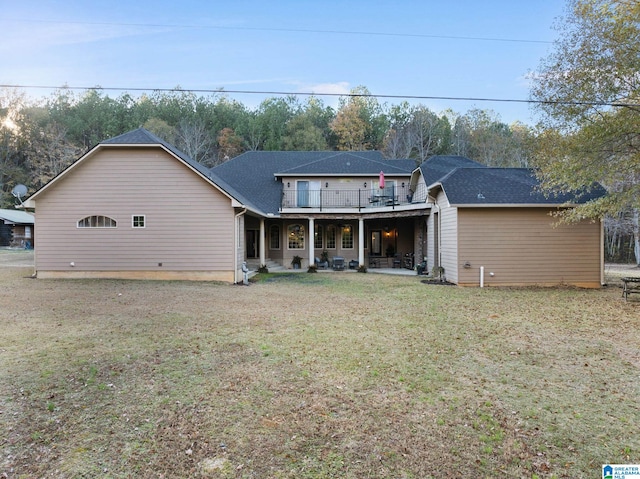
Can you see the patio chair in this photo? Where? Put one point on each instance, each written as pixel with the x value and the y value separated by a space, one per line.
pixel 338 263
pixel 422 268
pixel 321 264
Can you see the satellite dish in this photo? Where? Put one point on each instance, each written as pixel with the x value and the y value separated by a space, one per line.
pixel 19 191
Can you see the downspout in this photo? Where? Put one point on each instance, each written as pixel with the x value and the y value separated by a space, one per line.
pixel 602 280
pixel 237 246
pixel 439 236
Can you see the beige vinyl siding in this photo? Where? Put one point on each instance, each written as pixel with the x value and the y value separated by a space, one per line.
pixel 522 246
pixel 448 239
pixel 420 190
pixel 430 240
pixel 189 224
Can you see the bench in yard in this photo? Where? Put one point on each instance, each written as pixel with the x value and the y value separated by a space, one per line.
pixel 630 286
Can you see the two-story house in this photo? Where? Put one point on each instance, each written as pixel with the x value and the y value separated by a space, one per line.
pixel 352 205
pixel 136 207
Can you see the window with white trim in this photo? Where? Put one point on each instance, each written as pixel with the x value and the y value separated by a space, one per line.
pixel 138 221
pixel 347 237
pixel 317 237
pixel 295 235
pixel 331 237
pixel 97 221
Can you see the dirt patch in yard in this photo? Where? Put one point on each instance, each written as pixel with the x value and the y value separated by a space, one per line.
pixel 436 282
pixel 17 258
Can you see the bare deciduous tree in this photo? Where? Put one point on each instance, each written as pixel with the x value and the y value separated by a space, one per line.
pixel 195 140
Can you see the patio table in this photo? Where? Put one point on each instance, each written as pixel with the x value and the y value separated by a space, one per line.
pixel 631 285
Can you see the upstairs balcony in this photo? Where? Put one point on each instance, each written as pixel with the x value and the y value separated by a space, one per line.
pixel 327 200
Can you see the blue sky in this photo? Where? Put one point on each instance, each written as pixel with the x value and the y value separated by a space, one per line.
pixel 415 48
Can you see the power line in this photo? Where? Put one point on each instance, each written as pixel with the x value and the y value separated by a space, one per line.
pixel 318 94
pixel 285 30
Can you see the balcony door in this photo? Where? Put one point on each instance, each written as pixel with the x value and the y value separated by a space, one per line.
pixel 308 195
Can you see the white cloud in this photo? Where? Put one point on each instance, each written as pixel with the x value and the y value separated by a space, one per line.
pixel 248 81
pixel 339 88
pixel 37 37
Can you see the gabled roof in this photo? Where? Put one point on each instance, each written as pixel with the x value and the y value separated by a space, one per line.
pixel 502 186
pixel 251 174
pixel 143 137
pixel 467 182
pixel 254 174
pixel 16 217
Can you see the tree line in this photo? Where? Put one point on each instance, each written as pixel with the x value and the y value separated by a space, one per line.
pixel 41 137
pixel 588 95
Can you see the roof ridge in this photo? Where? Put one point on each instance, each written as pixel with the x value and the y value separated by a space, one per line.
pixel 309 162
pixel 384 164
pixel 142 136
pixel 447 176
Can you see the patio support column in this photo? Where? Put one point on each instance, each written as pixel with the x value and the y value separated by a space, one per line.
pixel 263 240
pixel 312 233
pixel 361 242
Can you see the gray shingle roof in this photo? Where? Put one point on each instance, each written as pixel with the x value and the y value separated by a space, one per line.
pixel 436 167
pixel 351 163
pixel 499 186
pixel 252 174
pixel 142 136
pixel 251 178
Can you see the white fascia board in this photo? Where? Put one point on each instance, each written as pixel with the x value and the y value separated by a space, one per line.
pixel 341 175
pixel 512 205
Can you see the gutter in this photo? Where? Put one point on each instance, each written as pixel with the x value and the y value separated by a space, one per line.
pixel 512 205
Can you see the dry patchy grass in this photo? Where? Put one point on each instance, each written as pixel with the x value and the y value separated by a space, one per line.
pixel 314 376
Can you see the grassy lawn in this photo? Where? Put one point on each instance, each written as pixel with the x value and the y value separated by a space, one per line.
pixel 314 376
